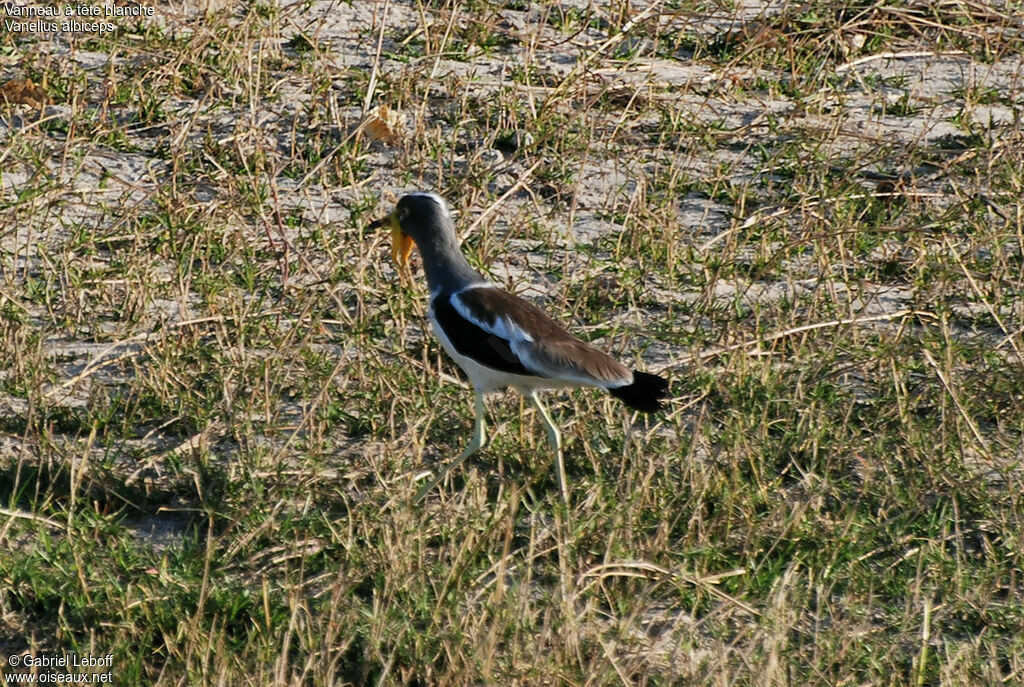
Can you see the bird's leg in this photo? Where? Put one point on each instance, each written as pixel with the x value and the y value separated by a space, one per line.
pixel 555 440
pixel 475 444
pixel 562 527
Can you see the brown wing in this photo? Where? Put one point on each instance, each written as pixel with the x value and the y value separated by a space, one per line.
pixel 541 344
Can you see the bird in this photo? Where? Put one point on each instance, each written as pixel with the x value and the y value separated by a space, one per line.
pixel 498 339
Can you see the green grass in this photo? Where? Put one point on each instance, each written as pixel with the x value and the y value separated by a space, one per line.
pixel 218 397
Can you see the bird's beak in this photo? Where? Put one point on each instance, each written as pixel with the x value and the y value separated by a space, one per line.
pixel 401 244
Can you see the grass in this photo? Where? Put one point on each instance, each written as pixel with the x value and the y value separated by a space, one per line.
pixel 217 395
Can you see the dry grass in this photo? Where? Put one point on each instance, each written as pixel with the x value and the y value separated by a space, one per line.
pixel 216 394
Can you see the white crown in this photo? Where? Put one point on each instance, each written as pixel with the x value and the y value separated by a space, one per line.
pixel 436 198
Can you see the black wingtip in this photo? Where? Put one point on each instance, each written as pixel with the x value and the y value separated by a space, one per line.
pixel 644 394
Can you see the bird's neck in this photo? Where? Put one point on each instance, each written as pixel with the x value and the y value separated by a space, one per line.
pixel 445 265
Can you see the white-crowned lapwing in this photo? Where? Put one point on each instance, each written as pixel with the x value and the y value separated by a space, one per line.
pixel 501 340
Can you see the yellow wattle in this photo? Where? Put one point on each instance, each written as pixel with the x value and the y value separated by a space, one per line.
pixel 401 245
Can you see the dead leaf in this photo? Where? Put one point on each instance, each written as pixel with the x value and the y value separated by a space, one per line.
pixel 384 124
pixel 24 92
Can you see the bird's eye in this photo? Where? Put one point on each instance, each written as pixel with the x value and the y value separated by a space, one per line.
pixel 403 213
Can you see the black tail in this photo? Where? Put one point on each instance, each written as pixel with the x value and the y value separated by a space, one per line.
pixel 645 393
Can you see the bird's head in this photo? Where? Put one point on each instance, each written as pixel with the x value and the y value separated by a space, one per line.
pixel 418 218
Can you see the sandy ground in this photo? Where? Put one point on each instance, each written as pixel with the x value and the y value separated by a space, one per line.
pixel 95 337
pixel 95 186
